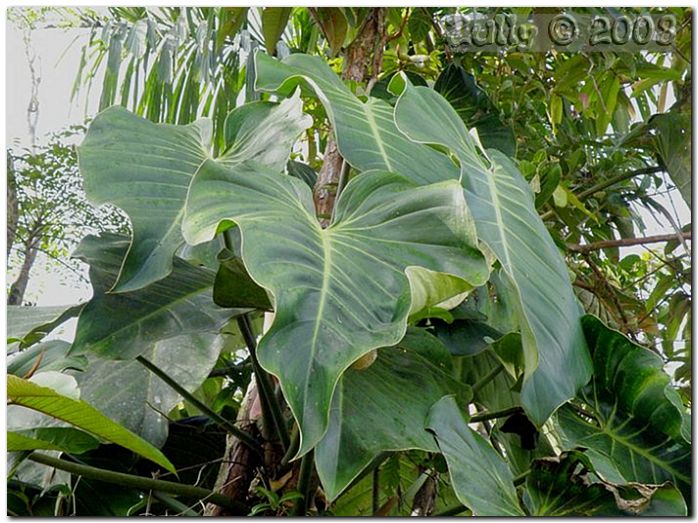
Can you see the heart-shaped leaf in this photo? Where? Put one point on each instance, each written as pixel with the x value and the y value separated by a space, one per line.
pixel 146 168
pixel 339 292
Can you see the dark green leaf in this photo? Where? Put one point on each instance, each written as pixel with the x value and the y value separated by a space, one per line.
pixel 481 478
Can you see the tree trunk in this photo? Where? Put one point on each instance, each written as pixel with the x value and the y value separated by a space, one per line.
pixel 12 204
pixel 239 461
pixel 364 51
pixel 425 498
pixel 19 287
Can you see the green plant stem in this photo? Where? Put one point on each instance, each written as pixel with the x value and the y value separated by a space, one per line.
pixel 375 492
pixel 304 483
pixel 487 378
pixel 139 482
pixel 494 415
pixel 266 389
pixel 519 480
pixel 292 448
pixel 217 418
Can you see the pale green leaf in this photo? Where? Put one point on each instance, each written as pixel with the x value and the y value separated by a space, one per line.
pixel 338 292
pixel 128 393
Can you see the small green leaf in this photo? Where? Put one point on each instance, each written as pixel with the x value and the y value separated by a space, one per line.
pixel 80 414
pixel 274 20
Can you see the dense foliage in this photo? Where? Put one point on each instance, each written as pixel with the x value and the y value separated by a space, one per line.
pixel 365 275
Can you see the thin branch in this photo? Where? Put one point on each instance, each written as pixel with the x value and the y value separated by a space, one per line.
pixel 494 415
pixel 139 482
pixel 266 388
pixel 606 184
pixel 304 483
pixel 217 418
pixel 627 242
pixel 487 378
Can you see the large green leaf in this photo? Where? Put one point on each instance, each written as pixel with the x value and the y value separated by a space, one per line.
pixel 475 108
pixel 565 486
pixel 339 292
pixel 636 428
pixel 124 325
pixel 78 413
pixel 481 478
pixel 365 131
pixel 506 219
pixel 379 409
pixel 146 168
pixel 133 396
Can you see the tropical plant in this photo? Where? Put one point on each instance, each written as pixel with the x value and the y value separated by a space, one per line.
pixel 396 326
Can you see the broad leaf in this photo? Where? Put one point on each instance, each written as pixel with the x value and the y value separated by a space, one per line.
pixel 122 326
pixel 365 131
pixel 481 478
pixel 339 292
pixel 47 356
pixel 566 486
pixel 29 324
pixel 131 395
pixel 146 168
pixel 506 219
pixel 379 409
pixel 475 108
pixel 78 413
pixel 637 429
